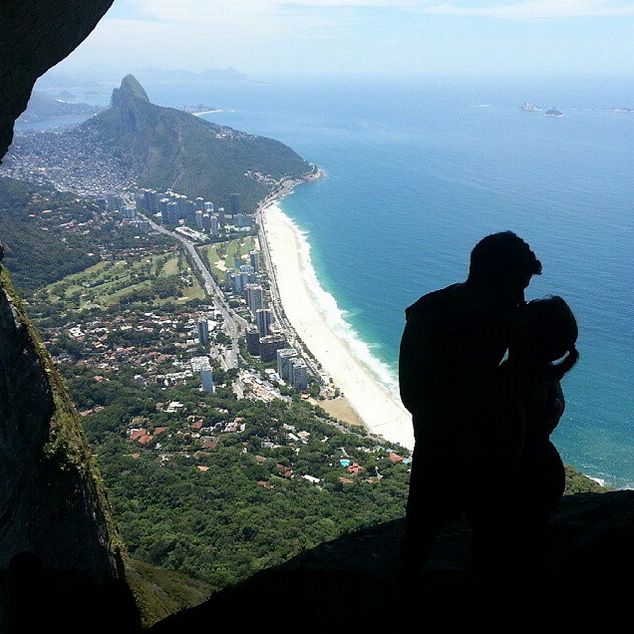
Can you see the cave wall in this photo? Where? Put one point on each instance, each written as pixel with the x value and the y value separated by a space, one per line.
pixel 34 36
pixel 62 561
pixel 52 502
pixel 53 506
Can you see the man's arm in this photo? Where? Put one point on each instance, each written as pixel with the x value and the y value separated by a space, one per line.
pixel 422 363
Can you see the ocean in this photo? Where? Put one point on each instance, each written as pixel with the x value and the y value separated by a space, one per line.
pixel 418 170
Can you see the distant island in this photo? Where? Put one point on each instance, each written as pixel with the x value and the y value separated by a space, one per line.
pixel 528 106
pixel 200 109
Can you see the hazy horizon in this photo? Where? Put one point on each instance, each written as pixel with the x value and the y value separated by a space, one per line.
pixel 261 38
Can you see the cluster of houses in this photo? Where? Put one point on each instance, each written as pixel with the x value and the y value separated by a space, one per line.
pixel 75 161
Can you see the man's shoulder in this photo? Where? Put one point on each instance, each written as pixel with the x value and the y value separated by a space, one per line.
pixel 435 304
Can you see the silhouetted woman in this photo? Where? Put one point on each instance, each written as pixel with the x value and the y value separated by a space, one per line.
pixel 541 351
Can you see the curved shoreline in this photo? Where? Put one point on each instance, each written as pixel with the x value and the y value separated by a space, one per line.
pixel 314 315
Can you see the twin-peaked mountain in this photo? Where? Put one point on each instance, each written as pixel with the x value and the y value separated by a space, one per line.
pixel 136 140
pixel 172 148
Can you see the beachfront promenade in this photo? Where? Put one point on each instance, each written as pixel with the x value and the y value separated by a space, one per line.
pixel 285 188
pixel 315 317
pixel 310 320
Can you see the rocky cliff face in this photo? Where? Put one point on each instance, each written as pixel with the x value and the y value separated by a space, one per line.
pixel 34 36
pixel 56 526
pixel 51 501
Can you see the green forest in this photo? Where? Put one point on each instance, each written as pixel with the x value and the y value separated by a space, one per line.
pixel 244 510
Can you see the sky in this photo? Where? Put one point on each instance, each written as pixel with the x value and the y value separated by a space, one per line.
pixel 400 37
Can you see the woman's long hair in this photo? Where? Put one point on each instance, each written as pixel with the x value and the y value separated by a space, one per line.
pixel 556 327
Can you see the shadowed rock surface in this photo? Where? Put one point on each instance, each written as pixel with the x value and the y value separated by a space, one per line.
pixel 56 527
pixel 353 582
pixel 34 36
pixel 51 500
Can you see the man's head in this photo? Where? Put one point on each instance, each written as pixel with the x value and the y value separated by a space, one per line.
pixel 502 265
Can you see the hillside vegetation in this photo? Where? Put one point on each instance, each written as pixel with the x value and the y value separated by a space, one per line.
pixel 174 149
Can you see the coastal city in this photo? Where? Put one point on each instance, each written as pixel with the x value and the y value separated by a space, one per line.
pixel 239 295
pixel 177 295
pixel 233 414
pixel 235 417
pixel 245 297
pixel 316 315
pixel 192 392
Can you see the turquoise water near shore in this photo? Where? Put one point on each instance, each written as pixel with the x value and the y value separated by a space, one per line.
pixel 417 172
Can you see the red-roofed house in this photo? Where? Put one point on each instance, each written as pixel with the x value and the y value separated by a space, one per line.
pixel 394 458
pixel 284 471
pixel 135 434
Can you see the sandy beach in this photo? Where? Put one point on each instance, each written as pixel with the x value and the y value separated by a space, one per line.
pixel 316 318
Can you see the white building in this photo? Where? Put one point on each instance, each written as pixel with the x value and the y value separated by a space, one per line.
pixel 254 260
pixel 284 357
pixel 298 373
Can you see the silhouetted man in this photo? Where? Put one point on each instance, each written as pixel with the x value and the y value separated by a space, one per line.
pixel 452 345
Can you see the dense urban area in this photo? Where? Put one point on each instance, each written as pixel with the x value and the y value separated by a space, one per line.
pixel 199 400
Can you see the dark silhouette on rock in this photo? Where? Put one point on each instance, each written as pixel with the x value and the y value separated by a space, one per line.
pixel 352 582
pixel 40 599
pixel 452 345
pixel 543 331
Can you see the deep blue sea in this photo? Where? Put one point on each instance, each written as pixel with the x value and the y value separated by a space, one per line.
pixel 419 170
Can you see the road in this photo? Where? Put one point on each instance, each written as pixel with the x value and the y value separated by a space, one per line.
pixel 233 324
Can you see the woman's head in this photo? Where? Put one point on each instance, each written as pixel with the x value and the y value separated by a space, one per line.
pixel 546 331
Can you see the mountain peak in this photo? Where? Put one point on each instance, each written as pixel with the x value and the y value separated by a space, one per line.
pixel 130 89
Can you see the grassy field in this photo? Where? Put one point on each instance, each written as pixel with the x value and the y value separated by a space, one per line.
pixel 110 282
pixel 222 255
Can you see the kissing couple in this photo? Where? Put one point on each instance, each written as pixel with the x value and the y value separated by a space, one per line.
pixel 480 371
